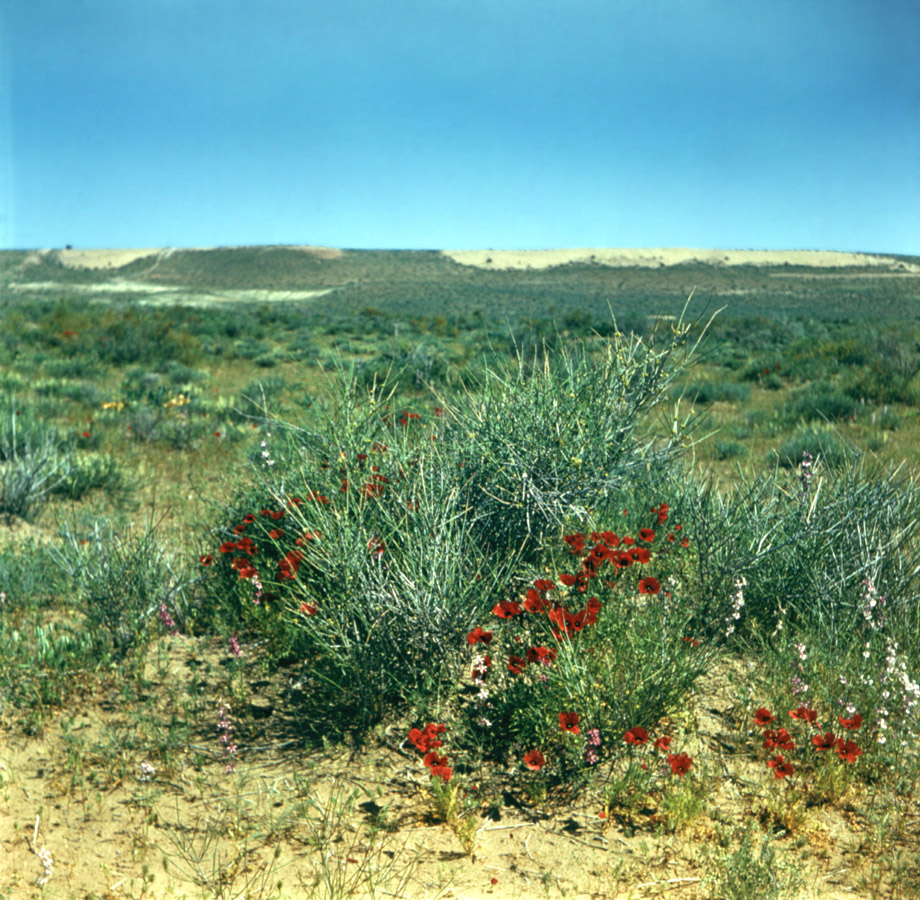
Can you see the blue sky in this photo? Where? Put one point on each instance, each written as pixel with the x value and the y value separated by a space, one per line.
pixel 461 123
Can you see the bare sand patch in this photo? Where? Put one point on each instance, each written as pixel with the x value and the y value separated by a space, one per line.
pixel 99 259
pixel 669 256
pixel 153 294
pixel 316 250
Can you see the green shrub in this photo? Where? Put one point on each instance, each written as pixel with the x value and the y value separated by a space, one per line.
pixel 805 552
pixel 410 524
pixel 819 401
pixel 723 450
pixel 26 578
pixel 34 461
pixel 706 392
pixel 819 442
pixel 95 471
pixel 122 581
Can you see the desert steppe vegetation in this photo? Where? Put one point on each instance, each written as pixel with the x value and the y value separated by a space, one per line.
pixel 404 574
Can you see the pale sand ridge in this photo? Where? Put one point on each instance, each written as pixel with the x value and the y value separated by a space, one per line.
pixel 532 259
pixel 115 259
pixel 669 256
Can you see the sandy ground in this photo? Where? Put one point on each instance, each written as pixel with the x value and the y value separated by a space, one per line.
pixel 669 256
pixel 114 259
pixel 77 789
pixel 164 295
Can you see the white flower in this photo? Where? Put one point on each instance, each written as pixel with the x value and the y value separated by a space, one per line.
pixel 47 862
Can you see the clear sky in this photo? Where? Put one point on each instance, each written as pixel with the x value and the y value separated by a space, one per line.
pixel 765 124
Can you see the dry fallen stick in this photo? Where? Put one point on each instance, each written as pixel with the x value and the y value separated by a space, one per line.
pixel 673 882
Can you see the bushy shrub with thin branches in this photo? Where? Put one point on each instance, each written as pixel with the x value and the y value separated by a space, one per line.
pixel 805 544
pixel 384 532
pixel 34 462
pixel 122 580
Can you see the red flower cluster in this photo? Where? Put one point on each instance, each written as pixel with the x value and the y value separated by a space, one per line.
pixel 427 741
pixel 680 763
pixel 608 548
pixel 478 636
pixel 780 767
pixel 565 623
pixel 847 750
pixel 289 564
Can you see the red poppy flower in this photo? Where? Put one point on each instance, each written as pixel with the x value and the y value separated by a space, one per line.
pixel 377 447
pixel 663 743
pixel 85 434
pixel 534 603
pixel 623 559
pixel 432 759
pixel 239 529
pixel 478 636
pixel 249 518
pixel 307 609
pixel 206 560
pixel 851 724
pixel 592 608
pixel 544 584
pixel 567 580
pixel 636 736
pixel 427 739
pixel 576 542
pixel 628 541
pixel 248 572
pixel 763 716
pixel 780 767
pixel 294 501
pixel 516 664
pixel 685 542
pixel 217 434
pixel 541 654
pixel 693 642
pixel 680 763
pixel 275 533
pixel 823 741
pixel 568 721
pixel 781 739
pixel 641 554
pixel 649 585
pixel 847 750
pixel 804 713
pixel 534 760
pixel 507 609
pixel 442 772
pixel 672 537
pixel 647 535
pixel 438 412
